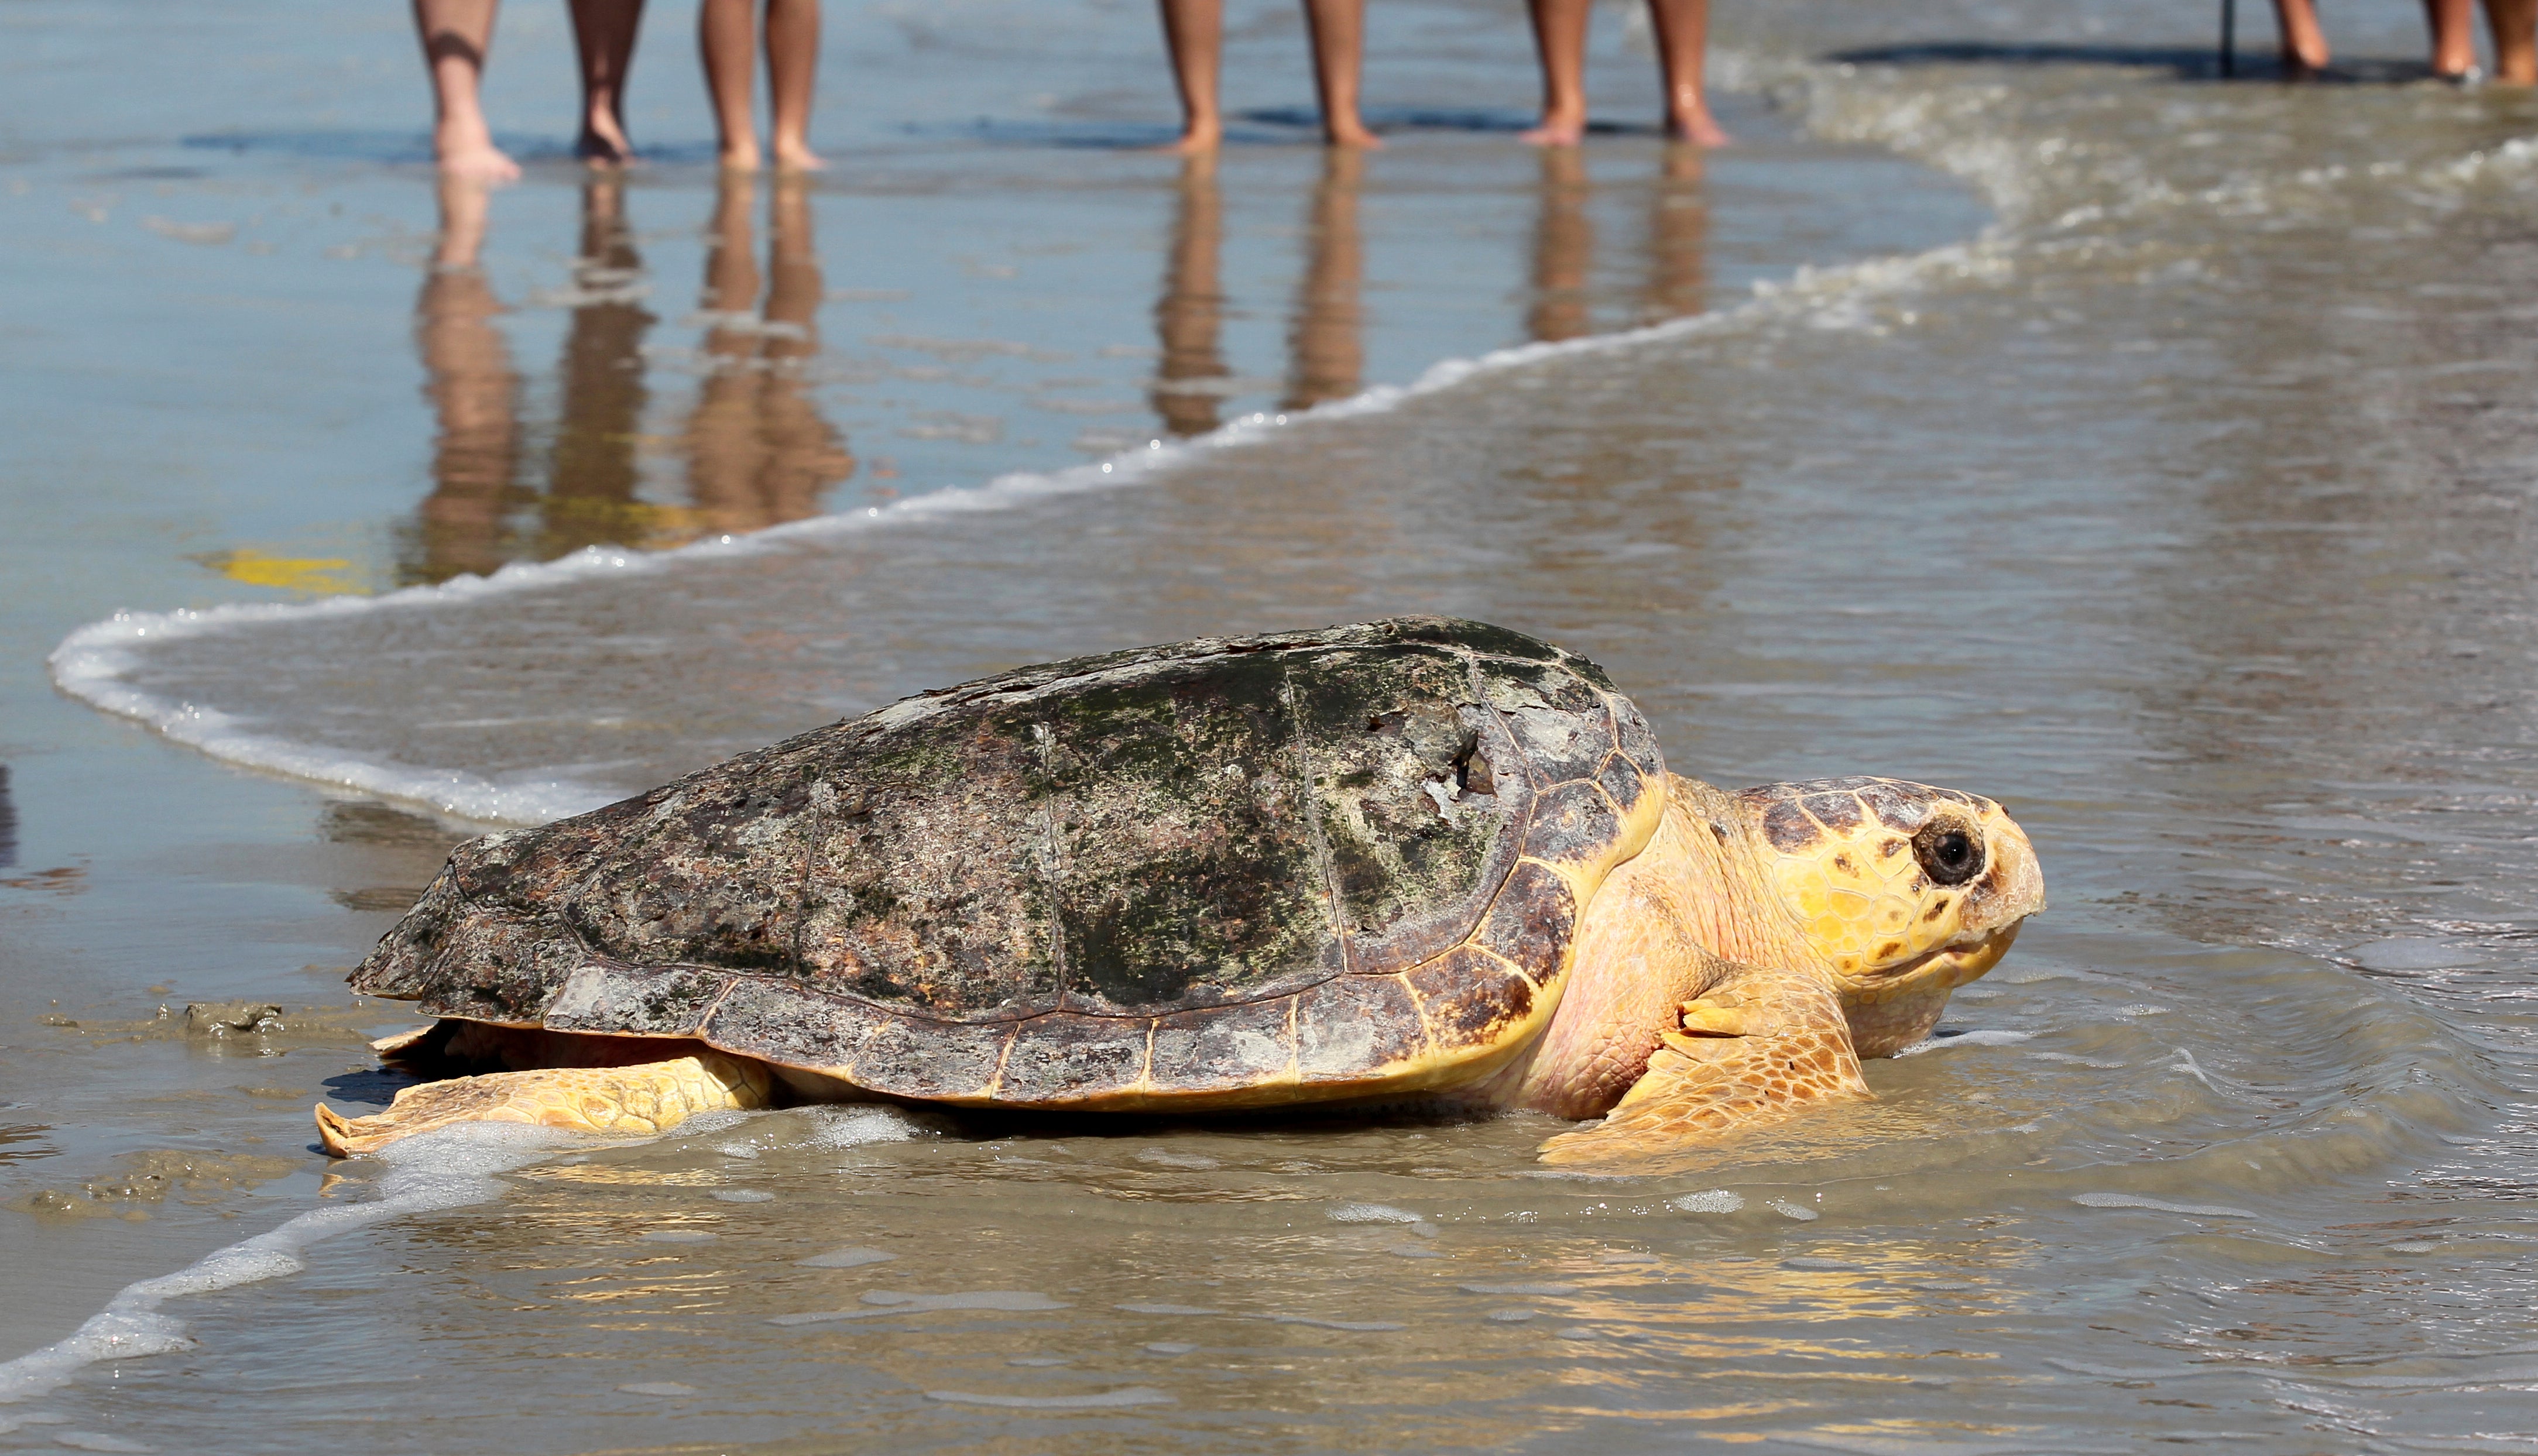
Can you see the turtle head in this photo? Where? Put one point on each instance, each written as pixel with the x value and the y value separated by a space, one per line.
pixel 1904 891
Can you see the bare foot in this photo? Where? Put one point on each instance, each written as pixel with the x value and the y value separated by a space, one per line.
pixel 467 151
pixel 603 142
pixel 1556 131
pixel 741 156
pixel 1353 134
pixel 2304 56
pixel 1200 137
pixel 1699 128
pixel 797 156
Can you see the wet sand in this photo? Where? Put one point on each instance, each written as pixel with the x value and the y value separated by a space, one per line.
pixel 2177 500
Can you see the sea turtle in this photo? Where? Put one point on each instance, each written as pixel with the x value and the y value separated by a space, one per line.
pixel 1412 859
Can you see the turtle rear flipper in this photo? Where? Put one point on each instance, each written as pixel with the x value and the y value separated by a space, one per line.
pixel 1760 1043
pixel 624 1101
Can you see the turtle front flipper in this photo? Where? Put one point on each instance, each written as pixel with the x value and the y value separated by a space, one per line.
pixel 625 1101
pixel 1759 1043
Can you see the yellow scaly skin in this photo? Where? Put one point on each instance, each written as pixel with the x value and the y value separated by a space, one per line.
pixel 1731 973
pixel 624 1101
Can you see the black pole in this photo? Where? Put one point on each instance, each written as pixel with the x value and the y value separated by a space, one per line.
pixel 2228 38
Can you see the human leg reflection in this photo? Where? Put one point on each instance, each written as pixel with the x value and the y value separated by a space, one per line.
pixel 1190 315
pixel 1326 336
pixel 758 451
pixel 593 469
pixel 1678 239
pixel 475 398
pixel 1564 250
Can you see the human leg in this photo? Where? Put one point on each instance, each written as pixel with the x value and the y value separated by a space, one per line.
pixel 1683 49
pixel 2515 23
pixel 1194 34
pixel 603 34
pixel 1339 59
pixel 727 40
pixel 2304 49
pixel 456 34
pixel 2452 25
pixel 1560 43
pixel 792 64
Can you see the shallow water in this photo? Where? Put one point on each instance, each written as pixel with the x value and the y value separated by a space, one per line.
pixel 2179 501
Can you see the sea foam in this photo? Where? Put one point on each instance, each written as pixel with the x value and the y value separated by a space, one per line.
pixel 444 1168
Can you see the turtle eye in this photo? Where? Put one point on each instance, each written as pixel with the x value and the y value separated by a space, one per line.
pixel 1948 855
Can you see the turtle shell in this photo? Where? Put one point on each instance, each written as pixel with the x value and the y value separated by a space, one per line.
pixel 1221 873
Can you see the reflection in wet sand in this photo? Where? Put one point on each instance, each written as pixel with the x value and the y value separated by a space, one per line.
pixel 1561 292
pixel 1326 335
pixel 1191 378
pixel 685 1258
pixel 1564 250
pixel 475 396
pixel 1327 322
pixel 592 467
pixel 758 453
pixel 1678 239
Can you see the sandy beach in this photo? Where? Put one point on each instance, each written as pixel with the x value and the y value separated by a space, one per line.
pixel 2014 407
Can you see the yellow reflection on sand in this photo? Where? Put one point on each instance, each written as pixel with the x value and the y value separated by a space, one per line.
pixel 313 576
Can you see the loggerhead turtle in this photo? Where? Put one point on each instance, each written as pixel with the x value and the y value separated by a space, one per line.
pixel 1411 859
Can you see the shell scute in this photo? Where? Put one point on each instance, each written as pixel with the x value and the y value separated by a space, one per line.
pixel 1495 641
pixel 922 892
pixel 647 1001
pixel 1223 1047
pixel 1186 871
pixel 1064 1057
pixel 711 873
pixel 1351 1028
pixel 1573 823
pixel 908 1057
pixel 1623 783
pixel 499 965
pixel 1558 722
pixel 1470 1002
pixel 401 965
pixel 1636 741
pixel 1531 924
pixel 1406 806
pixel 785 1023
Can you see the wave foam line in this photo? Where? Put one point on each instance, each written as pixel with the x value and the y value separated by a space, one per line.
pixel 445 1168
pixel 96 662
